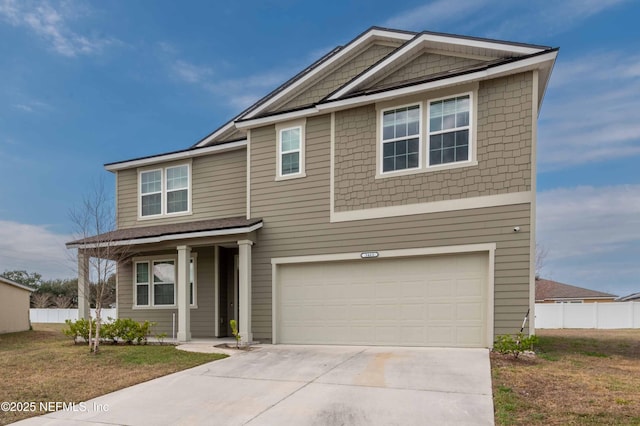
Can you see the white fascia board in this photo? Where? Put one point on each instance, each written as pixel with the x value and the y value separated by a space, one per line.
pixel 506 69
pixel 212 136
pixel 172 237
pixel 263 121
pixel 198 152
pixel 483 44
pixel 522 65
pixel 339 55
pixel 417 43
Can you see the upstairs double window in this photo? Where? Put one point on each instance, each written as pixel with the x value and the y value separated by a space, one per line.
pixel 164 191
pixel 406 145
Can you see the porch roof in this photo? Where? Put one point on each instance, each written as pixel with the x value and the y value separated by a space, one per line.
pixel 172 231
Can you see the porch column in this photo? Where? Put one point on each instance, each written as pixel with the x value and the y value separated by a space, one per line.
pixel 184 314
pixel 244 296
pixel 84 294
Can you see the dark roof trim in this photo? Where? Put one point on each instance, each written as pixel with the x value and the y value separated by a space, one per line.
pixel 175 155
pixel 175 231
pixel 472 69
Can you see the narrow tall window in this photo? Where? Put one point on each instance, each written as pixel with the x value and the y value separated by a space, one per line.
pixel 177 189
pixel 151 192
pixel 163 282
pixel 449 130
pixel 290 146
pixel 142 284
pixel 401 139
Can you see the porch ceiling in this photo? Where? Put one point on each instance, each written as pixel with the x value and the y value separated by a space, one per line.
pixel 172 231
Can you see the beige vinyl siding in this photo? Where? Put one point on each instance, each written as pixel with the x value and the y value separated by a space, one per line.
pixel 338 76
pixel 504 118
pixel 296 223
pixel 202 317
pixel 218 190
pixel 14 309
pixel 423 66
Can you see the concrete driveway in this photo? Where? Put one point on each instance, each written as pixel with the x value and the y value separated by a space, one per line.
pixel 307 385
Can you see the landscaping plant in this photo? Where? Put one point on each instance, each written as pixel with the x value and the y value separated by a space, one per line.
pixel 507 345
pixel 234 331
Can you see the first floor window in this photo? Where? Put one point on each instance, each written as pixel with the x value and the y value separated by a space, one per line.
pixel 449 130
pixel 163 282
pixel 142 284
pixel 401 138
pixel 155 282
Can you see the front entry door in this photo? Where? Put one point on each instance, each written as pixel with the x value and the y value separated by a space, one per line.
pixel 232 295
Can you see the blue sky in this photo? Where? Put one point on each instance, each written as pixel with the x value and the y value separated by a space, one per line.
pixel 87 83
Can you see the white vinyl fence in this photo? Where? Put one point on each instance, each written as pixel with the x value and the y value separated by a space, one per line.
pixel 60 315
pixel 588 315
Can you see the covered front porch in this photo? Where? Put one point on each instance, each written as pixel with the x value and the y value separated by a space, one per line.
pixel 189 278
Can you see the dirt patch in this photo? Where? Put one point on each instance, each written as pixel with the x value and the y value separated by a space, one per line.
pixel 234 347
pixel 578 377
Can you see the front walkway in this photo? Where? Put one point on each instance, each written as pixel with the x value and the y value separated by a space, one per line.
pixel 307 385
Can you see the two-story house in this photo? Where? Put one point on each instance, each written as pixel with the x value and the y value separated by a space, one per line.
pixel 385 195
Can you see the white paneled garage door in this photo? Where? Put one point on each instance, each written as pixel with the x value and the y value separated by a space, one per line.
pixel 412 301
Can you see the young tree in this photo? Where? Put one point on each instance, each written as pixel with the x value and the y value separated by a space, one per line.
pixel 541 256
pixel 95 222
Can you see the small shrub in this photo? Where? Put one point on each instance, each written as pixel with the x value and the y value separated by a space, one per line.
pixel 507 345
pixel 121 329
pixel 234 331
pixel 79 328
pixel 161 337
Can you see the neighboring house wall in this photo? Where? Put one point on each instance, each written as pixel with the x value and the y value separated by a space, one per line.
pixel 218 190
pixel 14 309
pixel 296 216
pixel 341 75
pixel 202 316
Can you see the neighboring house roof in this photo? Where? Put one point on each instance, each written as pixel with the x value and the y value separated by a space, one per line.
pixel 172 231
pixel 630 297
pixel 553 290
pixel 15 284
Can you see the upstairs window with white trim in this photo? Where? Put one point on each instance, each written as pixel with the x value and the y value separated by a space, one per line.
pixel 290 150
pixel 401 139
pixel 449 128
pixel 164 191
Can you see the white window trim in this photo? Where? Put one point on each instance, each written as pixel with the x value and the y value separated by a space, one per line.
pixel 164 192
pixel 381 142
pixel 149 261
pixel 471 143
pixel 424 134
pixel 280 128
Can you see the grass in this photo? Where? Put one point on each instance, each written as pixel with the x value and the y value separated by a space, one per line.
pixel 42 365
pixel 578 377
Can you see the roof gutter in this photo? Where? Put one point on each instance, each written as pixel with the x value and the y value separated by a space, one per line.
pixel 163 238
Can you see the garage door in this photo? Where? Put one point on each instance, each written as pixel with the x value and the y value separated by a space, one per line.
pixel 413 301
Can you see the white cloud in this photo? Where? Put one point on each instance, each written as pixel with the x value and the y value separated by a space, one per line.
pixel 435 14
pixel 51 24
pixel 31 106
pixel 575 222
pixel 591 113
pixel 34 248
pixel 592 235
pixel 191 73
